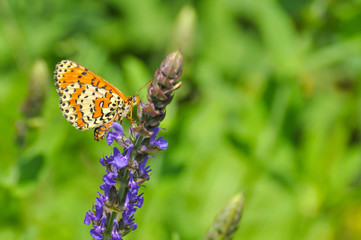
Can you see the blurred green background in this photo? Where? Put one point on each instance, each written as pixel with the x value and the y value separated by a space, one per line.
pixel 270 105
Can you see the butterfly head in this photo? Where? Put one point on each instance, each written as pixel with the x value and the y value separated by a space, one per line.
pixel 134 100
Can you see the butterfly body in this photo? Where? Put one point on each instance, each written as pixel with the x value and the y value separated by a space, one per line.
pixel 87 100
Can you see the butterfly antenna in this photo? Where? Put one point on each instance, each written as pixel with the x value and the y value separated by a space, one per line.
pixel 146 84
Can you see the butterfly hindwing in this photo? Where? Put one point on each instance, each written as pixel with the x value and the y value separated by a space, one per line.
pixel 85 106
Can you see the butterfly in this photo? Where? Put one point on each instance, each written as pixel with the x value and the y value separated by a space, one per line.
pixel 88 101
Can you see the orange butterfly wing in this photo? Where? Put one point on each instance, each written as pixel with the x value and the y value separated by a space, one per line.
pixel 87 100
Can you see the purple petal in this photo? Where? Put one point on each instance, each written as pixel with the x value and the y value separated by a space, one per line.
pixel 96 234
pixel 129 150
pixel 98 212
pixel 154 135
pixel 134 186
pixel 139 202
pixel 118 128
pixel 101 198
pixel 89 216
pixel 108 178
pixel 115 233
pixel 134 226
pixel 101 160
pixel 143 170
pixel 128 217
pixel 106 188
pixel 98 230
pixel 111 136
pixel 119 160
pixel 161 143
pixel 115 135
pixel 108 160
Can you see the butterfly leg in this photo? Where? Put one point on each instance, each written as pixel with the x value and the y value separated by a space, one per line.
pixel 130 116
pixel 100 131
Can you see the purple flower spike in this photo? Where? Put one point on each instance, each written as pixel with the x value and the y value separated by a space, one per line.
pixel 126 169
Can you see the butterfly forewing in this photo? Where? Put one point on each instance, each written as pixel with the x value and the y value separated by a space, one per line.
pixel 87 100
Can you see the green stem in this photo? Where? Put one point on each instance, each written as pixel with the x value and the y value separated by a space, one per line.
pixel 123 185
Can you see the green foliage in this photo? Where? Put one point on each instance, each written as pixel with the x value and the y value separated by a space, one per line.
pixel 270 105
